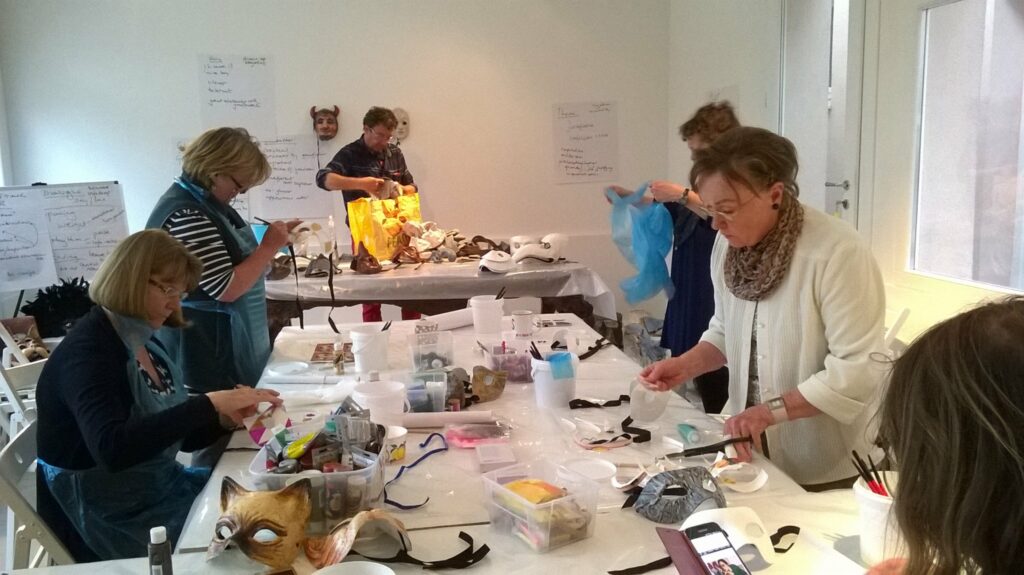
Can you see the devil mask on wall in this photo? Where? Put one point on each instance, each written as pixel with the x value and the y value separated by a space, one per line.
pixel 325 122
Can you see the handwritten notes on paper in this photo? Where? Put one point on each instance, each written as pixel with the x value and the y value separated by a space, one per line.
pixel 586 142
pixel 291 190
pixel 62 231
pixel 237 91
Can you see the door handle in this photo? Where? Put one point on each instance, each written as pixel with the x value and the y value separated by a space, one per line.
pixel 845 184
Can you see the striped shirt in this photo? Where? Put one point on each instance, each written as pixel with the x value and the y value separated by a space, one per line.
pixel 192 228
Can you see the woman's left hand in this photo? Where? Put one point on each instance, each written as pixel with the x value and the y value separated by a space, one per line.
pixel 751 422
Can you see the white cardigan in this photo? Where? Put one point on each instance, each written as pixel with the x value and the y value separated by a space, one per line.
pixel 819 331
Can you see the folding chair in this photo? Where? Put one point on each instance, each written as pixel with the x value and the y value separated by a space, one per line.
pixel 23 523
pixel 18 387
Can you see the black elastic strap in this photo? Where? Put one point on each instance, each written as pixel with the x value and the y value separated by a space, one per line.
pixel 639 435
pixel 598 346
pixel 656 564
pixel 461 560
pixel 584 403
pixel 782 532
pixel 295 269
pixel 330 285
pixel 634 493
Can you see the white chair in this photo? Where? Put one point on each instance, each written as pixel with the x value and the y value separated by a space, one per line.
pixel 18 387
pixel 23 523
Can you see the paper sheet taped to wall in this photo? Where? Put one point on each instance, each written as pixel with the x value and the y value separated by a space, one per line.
pixel 586 142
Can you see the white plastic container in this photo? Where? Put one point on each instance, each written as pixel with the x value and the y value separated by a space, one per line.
pixel 553 393
pixel 880 536
pixel 487 313
pixel 370 348
pixel 431 351
pixel 543 526
pixel 386 400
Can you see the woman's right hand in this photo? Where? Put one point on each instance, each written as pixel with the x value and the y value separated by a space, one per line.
pixel 663 375
pixel 236 403
pixel 665 191
pixel 277 234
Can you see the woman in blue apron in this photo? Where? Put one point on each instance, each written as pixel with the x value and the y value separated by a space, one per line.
pixel 228 342
pixel 113 412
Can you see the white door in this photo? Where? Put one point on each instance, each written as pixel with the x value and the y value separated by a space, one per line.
pixel 821 99
pixel 909 148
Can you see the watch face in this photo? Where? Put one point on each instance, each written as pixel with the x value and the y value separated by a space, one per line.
pixel 776 403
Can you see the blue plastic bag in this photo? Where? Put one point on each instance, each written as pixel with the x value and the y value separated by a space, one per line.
pixel 643 233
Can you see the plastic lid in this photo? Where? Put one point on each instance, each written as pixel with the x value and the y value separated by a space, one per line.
pixel 158 535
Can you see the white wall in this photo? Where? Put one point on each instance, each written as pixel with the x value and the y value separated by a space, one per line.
pixel 102 90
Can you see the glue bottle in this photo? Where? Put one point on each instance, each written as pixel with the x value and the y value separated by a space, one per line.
pixel 159 552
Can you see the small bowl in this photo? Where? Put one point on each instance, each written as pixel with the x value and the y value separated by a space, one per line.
pixel 355 568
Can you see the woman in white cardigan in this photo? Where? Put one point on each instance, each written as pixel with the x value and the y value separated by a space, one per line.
pixel 799 312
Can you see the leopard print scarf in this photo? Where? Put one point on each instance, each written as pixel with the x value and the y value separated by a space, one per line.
pixel 753 273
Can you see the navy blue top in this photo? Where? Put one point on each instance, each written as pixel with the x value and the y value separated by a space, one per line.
pixel 357 160
pixel 85 406
pixel 690 309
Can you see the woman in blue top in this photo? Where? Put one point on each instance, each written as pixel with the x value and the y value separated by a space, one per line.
pixel 688 312
pixel 113 412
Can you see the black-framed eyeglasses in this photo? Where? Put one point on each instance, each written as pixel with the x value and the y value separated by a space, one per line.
pixel 169 291
pixel 238 186
pixel 379 135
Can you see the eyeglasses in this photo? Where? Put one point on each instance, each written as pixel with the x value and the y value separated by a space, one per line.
pixel 238 186
pixel 385 136
pixel 169 291
pixel 727 216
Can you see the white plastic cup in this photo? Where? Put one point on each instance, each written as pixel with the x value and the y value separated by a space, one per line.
pixel 370 348
pixel 880 536
pixel 386 400
pixel 522 323
pixel 553 393
pixel 487 313
pixel 394 443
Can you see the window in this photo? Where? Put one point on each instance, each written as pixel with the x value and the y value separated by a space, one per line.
pixel 969 201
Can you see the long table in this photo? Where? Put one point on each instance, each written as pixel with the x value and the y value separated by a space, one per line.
pixel 621 538
pixel 437 288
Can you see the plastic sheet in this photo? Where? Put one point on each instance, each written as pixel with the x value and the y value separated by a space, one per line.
pixel 452 281
pixel 643 233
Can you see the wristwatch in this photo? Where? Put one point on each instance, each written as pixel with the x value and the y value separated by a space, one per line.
pixel 777 407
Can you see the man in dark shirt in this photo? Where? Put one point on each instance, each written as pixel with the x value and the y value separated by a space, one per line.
pixel 361 170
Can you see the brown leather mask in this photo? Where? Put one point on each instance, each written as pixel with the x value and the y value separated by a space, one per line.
pixel 268 526
pixel 488 384
pixel 364 262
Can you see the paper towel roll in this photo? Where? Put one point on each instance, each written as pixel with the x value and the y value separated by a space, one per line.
pixel 453 319
pixel 441 418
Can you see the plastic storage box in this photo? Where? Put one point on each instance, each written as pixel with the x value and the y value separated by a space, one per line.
pixel 515 362
pixel 431 350
pixel 334 496
pixel 542 526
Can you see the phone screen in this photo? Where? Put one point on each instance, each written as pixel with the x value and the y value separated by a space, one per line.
pixel 717 555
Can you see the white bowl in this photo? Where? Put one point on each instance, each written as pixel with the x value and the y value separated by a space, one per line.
pixel 355 568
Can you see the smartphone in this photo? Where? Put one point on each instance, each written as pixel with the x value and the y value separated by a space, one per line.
pixel 717 555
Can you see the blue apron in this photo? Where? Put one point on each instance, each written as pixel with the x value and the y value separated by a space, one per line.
pixel 113 511
pixel 250 336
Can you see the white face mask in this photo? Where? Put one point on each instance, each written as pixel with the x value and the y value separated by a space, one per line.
pixel 402 130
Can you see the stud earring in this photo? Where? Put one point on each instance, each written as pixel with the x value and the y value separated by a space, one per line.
pixel 775 206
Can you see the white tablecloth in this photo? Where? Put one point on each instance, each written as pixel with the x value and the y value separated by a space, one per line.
pixel 453 281
pixel 621 538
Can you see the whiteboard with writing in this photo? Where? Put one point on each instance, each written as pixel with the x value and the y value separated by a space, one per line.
pixel 237 91
pixel 586 142
pixel 69 228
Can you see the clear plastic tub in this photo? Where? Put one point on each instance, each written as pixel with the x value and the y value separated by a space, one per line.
pixel 542 526
pixel 431 350
pixel 338 495
pixel 513 360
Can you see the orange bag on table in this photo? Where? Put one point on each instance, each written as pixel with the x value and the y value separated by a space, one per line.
pixel 377 223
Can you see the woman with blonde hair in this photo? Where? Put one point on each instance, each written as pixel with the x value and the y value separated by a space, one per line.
pixel 113 413
pixel 229 342
pixel 953 422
